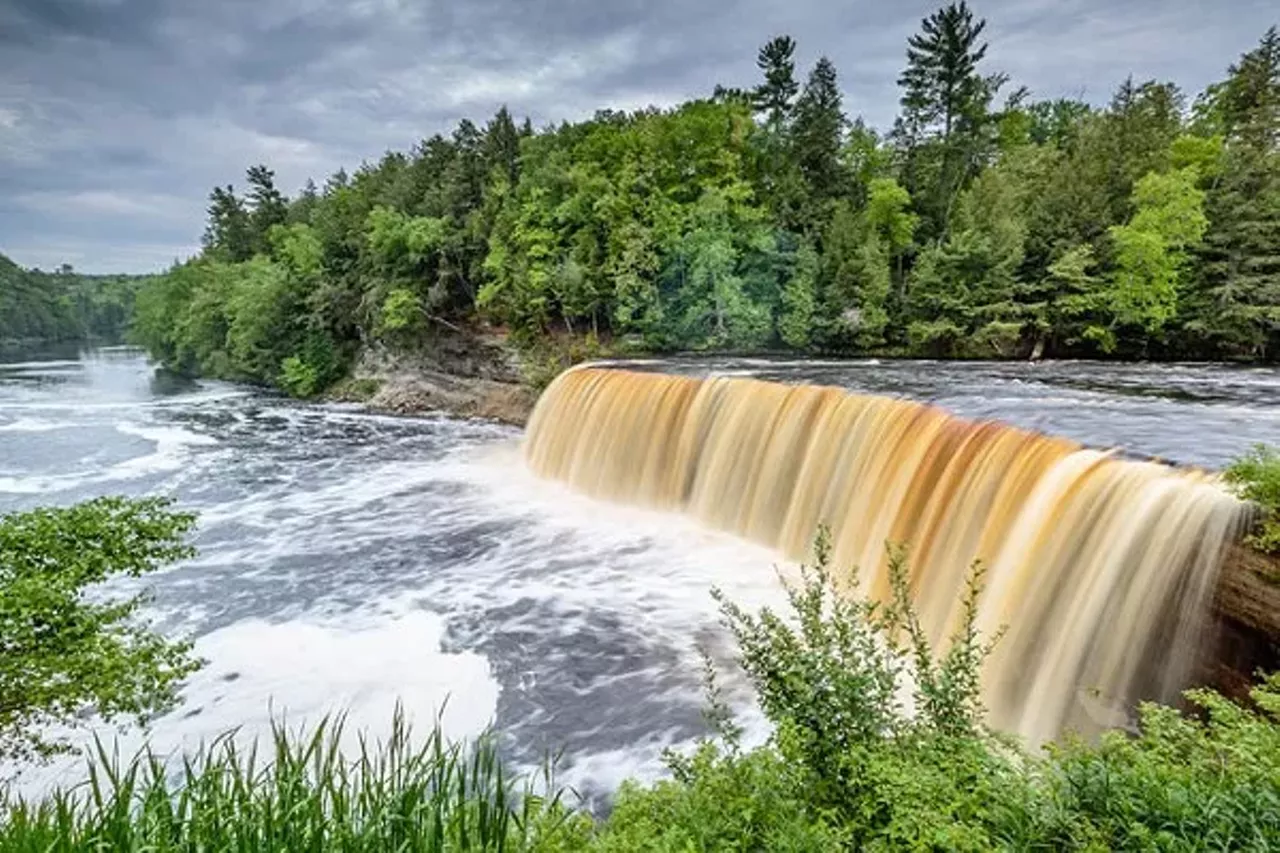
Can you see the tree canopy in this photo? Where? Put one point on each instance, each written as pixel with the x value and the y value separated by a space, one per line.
pixel 987 223
pixel 63 305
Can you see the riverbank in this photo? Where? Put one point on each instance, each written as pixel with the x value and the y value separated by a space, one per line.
pixel 467 375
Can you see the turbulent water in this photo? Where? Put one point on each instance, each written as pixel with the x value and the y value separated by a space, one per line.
pixel 352 561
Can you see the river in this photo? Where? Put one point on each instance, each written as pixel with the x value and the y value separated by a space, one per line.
pixel 352 562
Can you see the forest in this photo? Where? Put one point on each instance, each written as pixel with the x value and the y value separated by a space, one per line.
pixel 984 223
pixel 64 305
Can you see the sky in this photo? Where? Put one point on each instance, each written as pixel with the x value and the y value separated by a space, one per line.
pixel 118 116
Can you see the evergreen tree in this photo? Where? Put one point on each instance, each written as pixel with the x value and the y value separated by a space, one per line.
pixel 1249 102
pixel 776 96
pixel 817 133
pixel 945 119
pixel 941 82
pixel 304 205
pixel 267 205
pixel 1237 307
pixel 228 233
pixel 502 145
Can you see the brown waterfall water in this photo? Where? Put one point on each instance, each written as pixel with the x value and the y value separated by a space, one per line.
pixel 1098 567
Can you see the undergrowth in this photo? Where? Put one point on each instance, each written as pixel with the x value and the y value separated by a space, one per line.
pixel 879 743
pixel 1256 477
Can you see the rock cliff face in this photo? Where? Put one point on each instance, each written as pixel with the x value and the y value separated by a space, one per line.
pixel 1246 638
pixel 464 375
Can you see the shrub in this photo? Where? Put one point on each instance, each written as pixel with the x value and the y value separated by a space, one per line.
pixel 1209 781
pixel 849 759
pixel 1256 477
pixel 61 653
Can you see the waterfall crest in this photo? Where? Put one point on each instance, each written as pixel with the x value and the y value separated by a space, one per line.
pixel 1099 567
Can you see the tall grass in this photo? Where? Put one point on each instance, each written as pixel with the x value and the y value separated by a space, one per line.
pixel 299 793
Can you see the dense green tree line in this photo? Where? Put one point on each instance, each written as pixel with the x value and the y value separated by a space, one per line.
pixel 63 305
pixel 985 223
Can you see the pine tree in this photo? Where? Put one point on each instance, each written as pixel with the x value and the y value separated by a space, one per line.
pixel 267 205
pixel 946 102
pixel 228 233
pixel 305 204
pixel 1236 306
pixel 941 81
pixel 776 96
pixel 1250 100
pixel 817 131
pixel 502 145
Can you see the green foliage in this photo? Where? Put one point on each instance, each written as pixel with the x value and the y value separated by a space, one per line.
pixel 1187 782
pixel 973 228
pixel 401 310
pixel 795 326
pixel 720 801
pixel 775 96
pixel 299 792
pixel 245 321
pixel 62 651
pixel 63 305
pixel 1151 251
pixel 1256 476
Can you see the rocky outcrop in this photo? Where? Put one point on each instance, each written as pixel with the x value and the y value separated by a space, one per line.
pixel 1246 608
pixel 468 375
pixel 415 392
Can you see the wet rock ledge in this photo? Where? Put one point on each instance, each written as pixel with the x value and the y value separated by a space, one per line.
pixel 467 376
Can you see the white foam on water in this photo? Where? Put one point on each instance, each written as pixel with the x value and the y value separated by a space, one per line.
pixel 171 445
pixel 169 454
pixel 34 425
pixel 362 665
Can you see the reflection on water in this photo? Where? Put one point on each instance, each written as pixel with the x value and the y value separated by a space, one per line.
pixel 350 560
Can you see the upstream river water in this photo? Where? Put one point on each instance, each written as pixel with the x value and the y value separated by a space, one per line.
pixel 352 562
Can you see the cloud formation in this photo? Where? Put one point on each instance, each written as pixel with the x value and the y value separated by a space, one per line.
pixel 118 116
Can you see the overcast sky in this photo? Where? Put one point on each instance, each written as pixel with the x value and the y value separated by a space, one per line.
pixel 118 116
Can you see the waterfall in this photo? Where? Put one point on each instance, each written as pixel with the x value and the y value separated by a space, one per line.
pixel 1099 568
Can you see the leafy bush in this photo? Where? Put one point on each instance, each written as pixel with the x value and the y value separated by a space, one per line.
pixel 1205 782
pixel 1256 477
pixel 720 800
pixel 861 765
pixel 60 652
pixel 312 369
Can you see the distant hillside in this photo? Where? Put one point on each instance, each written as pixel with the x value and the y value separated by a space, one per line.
pixel 63 305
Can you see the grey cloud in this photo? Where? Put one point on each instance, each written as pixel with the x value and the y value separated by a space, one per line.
pixel 117 116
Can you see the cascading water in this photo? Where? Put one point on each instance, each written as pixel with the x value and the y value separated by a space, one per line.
pixel 1099 567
